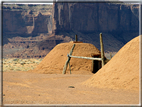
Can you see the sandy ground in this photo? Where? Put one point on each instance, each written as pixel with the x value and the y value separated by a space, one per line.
pixel 33 88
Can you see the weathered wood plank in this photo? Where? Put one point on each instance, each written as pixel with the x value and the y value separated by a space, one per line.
pixel 99 59
pixel 102 50
pixel 70 67
pixel 66 64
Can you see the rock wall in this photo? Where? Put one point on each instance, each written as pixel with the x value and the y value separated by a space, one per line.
pixel 94 17
pixel 13 23
pixel 41 24
pixel 25 24
pixel 25 28
pixel 118 22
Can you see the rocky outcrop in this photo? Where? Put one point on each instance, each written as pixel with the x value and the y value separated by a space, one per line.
pixel 93 17
pixel 41 24
pixel 25 27
pixel 119 23
pixel 25 23
pixel 13 23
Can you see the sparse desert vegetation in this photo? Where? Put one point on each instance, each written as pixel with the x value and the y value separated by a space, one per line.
pixel 17 64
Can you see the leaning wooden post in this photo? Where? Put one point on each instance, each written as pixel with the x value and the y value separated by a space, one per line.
pixel 102 50
pixel 70 67
pixel 66 64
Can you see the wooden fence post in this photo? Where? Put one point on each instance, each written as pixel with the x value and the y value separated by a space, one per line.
pixel 102 50
pixel 66 64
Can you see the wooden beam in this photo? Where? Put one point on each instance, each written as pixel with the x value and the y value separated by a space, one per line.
pixel 70 67
pixel 99 59
pixel 66 64
pixel 102 50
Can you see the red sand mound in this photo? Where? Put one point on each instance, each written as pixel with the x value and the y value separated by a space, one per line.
pixel 57 57
pixel 122 71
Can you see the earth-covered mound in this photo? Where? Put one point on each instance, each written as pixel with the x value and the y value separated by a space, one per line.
pixel 55 60
pixel 122 71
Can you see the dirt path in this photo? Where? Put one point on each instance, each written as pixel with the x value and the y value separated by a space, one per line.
pixel 33 88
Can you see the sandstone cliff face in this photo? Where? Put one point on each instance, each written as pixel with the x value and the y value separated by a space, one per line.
pixel 25 30
pixel 118 22
pixel 40 24
pixel 13 23
pixel 25 23
pixel 90 17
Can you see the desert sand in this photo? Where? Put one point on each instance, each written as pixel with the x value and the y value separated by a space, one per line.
pixel 33 88
pixel 115 83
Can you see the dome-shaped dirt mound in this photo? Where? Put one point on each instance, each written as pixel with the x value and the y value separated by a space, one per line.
pixel 121 72
pixel 55 60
